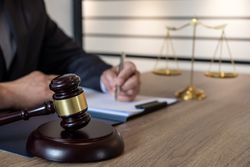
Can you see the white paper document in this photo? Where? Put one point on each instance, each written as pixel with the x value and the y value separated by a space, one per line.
pixel 105 106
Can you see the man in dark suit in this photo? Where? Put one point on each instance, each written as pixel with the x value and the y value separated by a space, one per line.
pixel 33 48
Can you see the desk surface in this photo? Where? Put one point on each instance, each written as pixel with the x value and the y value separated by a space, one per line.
pixel 212 132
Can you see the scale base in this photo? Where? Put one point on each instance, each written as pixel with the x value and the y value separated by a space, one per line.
pixel 96 142
pixel 222 75
pixel 191 93
pixel 167 72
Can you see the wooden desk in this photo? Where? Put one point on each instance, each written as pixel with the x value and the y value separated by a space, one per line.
pixel 212 132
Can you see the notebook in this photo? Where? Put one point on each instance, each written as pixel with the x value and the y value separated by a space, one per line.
pixel 104 106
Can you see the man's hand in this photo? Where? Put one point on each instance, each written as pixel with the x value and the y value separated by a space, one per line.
pixel 128 79
pixel 28 91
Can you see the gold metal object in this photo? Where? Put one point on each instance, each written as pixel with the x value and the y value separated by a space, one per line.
pixel 219 48
pixel 71 105
pixel 166 50
pixel 191 93
pixel 167 72
pixel 194 21
pixel 221 74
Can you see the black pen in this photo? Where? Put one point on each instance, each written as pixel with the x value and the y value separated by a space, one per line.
pixel 152 105
pixel 120 67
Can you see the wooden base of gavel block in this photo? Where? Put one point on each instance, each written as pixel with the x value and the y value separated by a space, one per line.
pixel 95 142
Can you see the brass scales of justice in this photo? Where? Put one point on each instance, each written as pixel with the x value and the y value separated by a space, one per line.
pixel 191 92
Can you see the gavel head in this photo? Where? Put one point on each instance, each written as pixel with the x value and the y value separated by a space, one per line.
pixel 70 102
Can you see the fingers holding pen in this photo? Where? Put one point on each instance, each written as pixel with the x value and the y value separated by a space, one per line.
pixel 128 79
pixel 129 69
pixel 132 83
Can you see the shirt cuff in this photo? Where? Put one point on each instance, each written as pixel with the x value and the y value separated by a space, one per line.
pixel 103 87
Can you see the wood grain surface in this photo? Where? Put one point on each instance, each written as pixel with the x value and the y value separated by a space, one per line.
pixel 214 132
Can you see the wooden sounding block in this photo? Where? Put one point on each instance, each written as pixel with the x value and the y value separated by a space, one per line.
pixel 95 142
pixel 76 138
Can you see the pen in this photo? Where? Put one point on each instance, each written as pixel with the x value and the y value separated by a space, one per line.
pixel 152 105
pixel 120 67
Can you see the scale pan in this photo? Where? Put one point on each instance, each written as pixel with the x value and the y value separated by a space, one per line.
pixel 222 75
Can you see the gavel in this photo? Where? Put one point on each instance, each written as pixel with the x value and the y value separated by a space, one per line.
pixel 68 102
pixel 78 138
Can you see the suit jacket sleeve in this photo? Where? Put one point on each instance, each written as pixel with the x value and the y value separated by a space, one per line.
pixel 60 54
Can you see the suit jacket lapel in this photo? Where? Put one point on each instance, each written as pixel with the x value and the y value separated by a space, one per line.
pixel 18 25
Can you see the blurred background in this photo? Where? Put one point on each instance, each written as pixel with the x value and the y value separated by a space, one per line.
pixel 138 28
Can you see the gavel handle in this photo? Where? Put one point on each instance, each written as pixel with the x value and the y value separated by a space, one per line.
pixel 45 109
